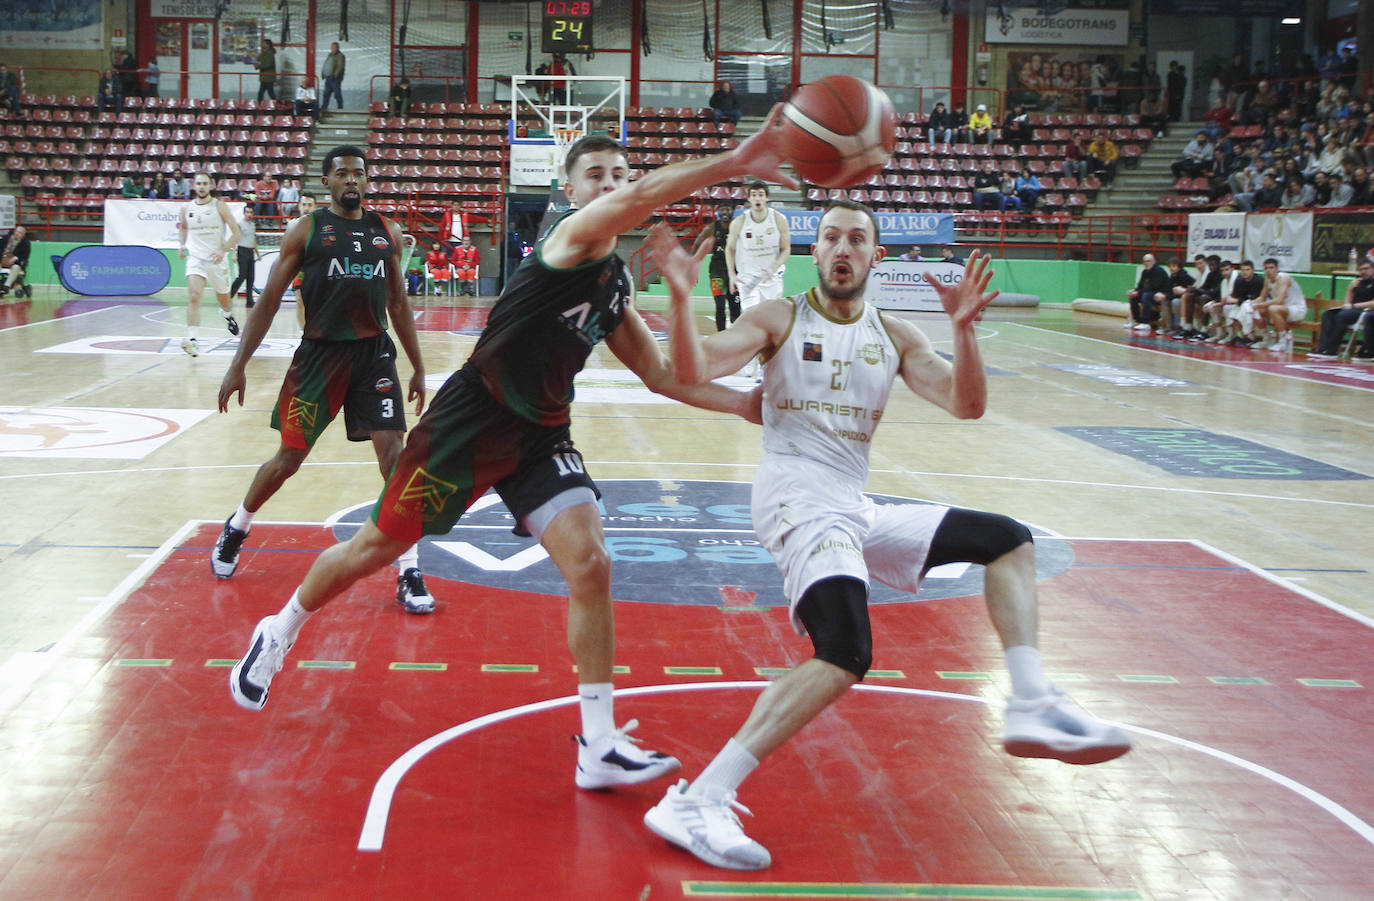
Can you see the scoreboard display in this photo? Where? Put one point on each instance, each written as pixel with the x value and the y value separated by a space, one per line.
pixel 567 26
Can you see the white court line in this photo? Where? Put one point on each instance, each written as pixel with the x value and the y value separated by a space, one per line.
pixel 379 806
pixel 1285 583
pixel 12 328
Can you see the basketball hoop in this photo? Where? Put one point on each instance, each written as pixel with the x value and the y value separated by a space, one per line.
pixel 563 138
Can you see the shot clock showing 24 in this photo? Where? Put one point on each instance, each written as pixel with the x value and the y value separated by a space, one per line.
pixel 567 26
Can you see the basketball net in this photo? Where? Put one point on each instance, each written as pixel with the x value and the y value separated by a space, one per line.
pixel 563 138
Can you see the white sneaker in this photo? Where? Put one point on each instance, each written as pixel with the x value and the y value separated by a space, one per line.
pixel 1317 356
pixel 614 759
pixel 1266 342
pixel 1282 345
pixel 1141 327
pixel 709 829
pixel 252 676
pixel 1129 325
pixel 190 346
pixel 1054 726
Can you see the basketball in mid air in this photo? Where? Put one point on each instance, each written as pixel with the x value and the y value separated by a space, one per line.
pixel 838 131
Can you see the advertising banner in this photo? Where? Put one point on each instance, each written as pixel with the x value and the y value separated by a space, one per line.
pixel 71 25
pixel 1286 237
pixel 901 284
pixel 1222 234
pixel 897 229
pixel 1084 27
pixel 533 163
pixel 1334 233
pixel 154 223
pixel 114 271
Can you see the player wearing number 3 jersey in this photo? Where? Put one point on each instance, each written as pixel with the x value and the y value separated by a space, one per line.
pixel 349 259
pixel 502 422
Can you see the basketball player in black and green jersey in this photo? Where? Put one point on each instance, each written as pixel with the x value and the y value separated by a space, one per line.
pixel 349 259
pixel 502 421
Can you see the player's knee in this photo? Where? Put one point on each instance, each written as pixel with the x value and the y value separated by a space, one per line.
pixel 588 568
pixel 288 460
pixel 835 614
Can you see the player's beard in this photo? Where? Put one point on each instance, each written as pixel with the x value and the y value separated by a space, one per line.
pixel 350 202
pixel 853 291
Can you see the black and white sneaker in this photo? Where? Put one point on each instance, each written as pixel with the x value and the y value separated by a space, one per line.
pixel 412 594
pixel 616 759
pixel 225 558
pixel 252 676
pixel 231 324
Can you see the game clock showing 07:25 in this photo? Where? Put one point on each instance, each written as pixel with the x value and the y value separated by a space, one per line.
pixel 567 26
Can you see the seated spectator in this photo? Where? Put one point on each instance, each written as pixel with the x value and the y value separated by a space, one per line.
pixel 1279 305
pixel 9 89
pixel 1332 156
pixel 108 96
pixel 1195 153
pixel 307 102
pixel 1218 119
pixel 1179 282
pixel 178 188
pixel 1149 296
pixel 1266 197
pixel 1154 115
pixel 1102 157
pixel 1358 309
pixel 288 196
pixel 1204 290
pixel 1016 130
pixel 959 122
pixel 980 125
pixel 1266 102
pixel 1361 191
pixel 947 255
pixel 940 125
pixel 1009 199
pixel 911 255
pixel 15 249
pixel 158 189
pixel 466 259
pixel 987 188
pixel 415 280
pixel 265 198
pixel 1075 164
pixel 131 187
pixel 440 267
pixel 1028 189
pixel 1341 193
pixel 724 104
pixel 400 97
pixel 1296 194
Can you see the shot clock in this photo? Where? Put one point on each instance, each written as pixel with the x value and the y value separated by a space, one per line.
pixel 567 26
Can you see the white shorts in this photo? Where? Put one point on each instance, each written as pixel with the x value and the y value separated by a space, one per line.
pixel 1243 314
pixel 751 295
pixel 216 275
pixel 818 524
pixel 1297 309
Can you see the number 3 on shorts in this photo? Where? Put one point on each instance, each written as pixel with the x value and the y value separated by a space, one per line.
pixel 388 408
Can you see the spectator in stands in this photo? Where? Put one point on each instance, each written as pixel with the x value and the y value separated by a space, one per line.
pixel 1348 67
pixel 1361 192
pixel 1341 193
pixel 1218 118
pixel 980 125
pixel 1195 153
pixel 152 76
pixel 109 97
pixel 940 125
pixel 131 187
pixel 1152 84
pixel 724 104
pixel 1333 155
pixel 1075 164
pixel 158 190
pixel 333 74
pixel 1009 199
pixel 466 259
pixel 454 225
pixel 1149 296
pixel 1028 190
pixel 1279 305
pixel 1154 115
pixel 559 89
pixel 400 98
pixel 1266 197
pixel 306 103
pixel 178 188
pixel 1016 130
pixel 1266 102
pixel 9 89
pixel 1180 281
pixel 15 249
pixel 288 195
pixel 987 188
pixel 1176 82
pixel 959 122
pixel 440 267
pixel 265 196
pixel 1359 306
pixel 267 70
pixel 127 71
pixel 912 254
pixel 947 255
pixel 1102 157
pixel 1296 194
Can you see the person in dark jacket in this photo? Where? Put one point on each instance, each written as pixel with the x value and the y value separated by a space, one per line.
pixel 1149 295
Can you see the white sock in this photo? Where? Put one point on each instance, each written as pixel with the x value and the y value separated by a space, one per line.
pixel 288 623
pixel 241 519
pixel 598 711
pixel 409 559
pixel 724 775
pixel 227 314
pixel 1028 680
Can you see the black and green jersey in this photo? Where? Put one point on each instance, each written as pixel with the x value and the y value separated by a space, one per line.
pixel 343 276
pixel 543 328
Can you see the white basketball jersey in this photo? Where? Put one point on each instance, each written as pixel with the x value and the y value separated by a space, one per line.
pixel 1295 296
pixel 825 388
pixel 757 244
pixel 205 229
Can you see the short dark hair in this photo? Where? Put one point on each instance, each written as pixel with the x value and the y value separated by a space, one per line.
pixel 305 194
pixel 1175 261
pixel 343 150
pixel 1271 260
pixel 757 184
pixel 591 144
pixel 1250 263
pixel 846 204
pixel 1228 263
pixel 1217 261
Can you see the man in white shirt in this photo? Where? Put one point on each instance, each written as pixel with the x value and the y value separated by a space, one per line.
pixel 756 253
pixel 205 245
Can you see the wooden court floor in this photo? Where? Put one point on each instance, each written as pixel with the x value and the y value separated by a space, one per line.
pixel 1204 518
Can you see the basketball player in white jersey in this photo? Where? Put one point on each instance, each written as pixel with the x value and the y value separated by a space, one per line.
pixel 1279 305
pixel 830 362
pixel 756 253
pixel 206 245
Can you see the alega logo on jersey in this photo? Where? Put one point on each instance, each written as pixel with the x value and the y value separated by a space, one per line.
pixel 346 268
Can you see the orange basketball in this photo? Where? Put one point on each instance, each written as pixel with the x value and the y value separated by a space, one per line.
pixel 838 131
